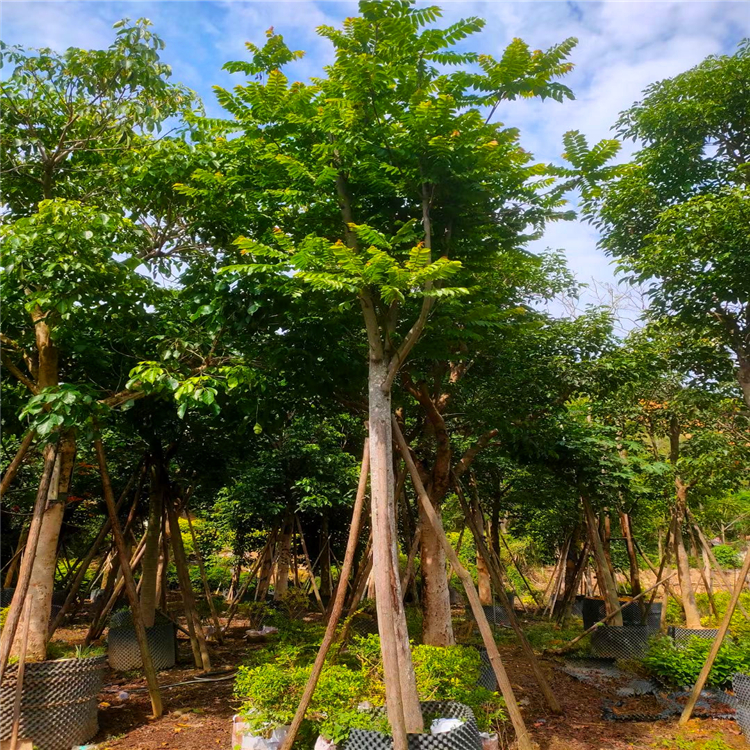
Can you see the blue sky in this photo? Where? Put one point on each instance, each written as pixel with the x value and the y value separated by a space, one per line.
pixel 623 46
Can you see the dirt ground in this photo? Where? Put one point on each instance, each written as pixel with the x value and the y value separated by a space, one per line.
pixel 198 716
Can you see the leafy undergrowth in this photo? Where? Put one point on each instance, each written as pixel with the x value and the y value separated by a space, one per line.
pixel 272 680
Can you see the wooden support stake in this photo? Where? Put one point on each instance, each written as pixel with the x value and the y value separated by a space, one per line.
pixel 197 637
pixel 127 574
pixel 522 734
pixel 204 580
pixel 309 566
pixel 14 465
pixel 338 604
pixel 707 547
pixel 494 568
pixel 716 645
pixel 24 574
pixel 16 724
pixel 245 586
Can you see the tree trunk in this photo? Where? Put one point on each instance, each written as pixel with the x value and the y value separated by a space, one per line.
pixel 606 582
pixel 627 532
pixel 743 375
pixel 281 580
pixel 266 568
pixel 402 702
pixel 42 582
pixel 150 562
pixel 437 628
pixel 692 615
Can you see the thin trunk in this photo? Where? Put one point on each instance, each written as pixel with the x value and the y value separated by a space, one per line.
pixel 606 582
pixel 234 582
pixel 437 628
pixel 409 572
pixel 309 566
pixel 42 582
pixel 570 595
pixel 281 580
pixel 627 532
pixel 266 568
pixel 689 604
pixel 150 564
pixel 16 559
pixel 402 702
pixel 483 572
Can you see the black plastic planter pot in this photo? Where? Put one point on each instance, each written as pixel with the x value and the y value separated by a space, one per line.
pixel 496 614
pixel 59 702
pixel 741 687
pixel 594 610
pixel 464 737
pixel 621 642
pixel 682 636
pixel 122 644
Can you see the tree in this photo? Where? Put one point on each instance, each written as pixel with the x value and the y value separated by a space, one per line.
pixel 66 119
pixel 377 170
pixel 676 217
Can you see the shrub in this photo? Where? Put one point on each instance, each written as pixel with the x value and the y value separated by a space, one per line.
pixel 294 603
pixel 679 665
pixel 727 556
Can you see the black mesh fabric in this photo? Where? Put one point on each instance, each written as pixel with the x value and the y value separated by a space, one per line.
pixel 741 687
pixel 59 701
pixel 464 737
pixel 682 636
pixel 496 613
pixel 621 642
pixel 594 610
pixel 487 677
pixel 122 644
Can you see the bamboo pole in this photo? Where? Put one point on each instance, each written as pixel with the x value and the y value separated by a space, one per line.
pixel 197 637
pixel 13 564
pixel 309 565
pixel 15 464
pixel 338 605
pixel 127 574
pixel 606 618
pixel 204 580
pixel 24 574
pixel 518 568
pixel 716 645
pixel 81 572
pixel 514 712
pixel 245 586
pixel 16 723
pixel 715 562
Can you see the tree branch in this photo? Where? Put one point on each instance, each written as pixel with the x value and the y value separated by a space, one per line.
pixel 468 457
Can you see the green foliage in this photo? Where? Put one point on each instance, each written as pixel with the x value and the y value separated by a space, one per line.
pixel 727 556
pixel 62 650
pixel 678 665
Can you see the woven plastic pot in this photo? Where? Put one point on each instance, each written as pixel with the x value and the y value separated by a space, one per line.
pixel 59 702
pixel 594 610
pixel 621 641
pixel 682 636
pixel 122 643
pixel 741 687
pixel 496 613
pixel 464 737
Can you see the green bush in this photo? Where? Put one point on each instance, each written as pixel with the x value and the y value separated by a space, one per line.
pixel 271 684
pixel 727 556
pixel 679 665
